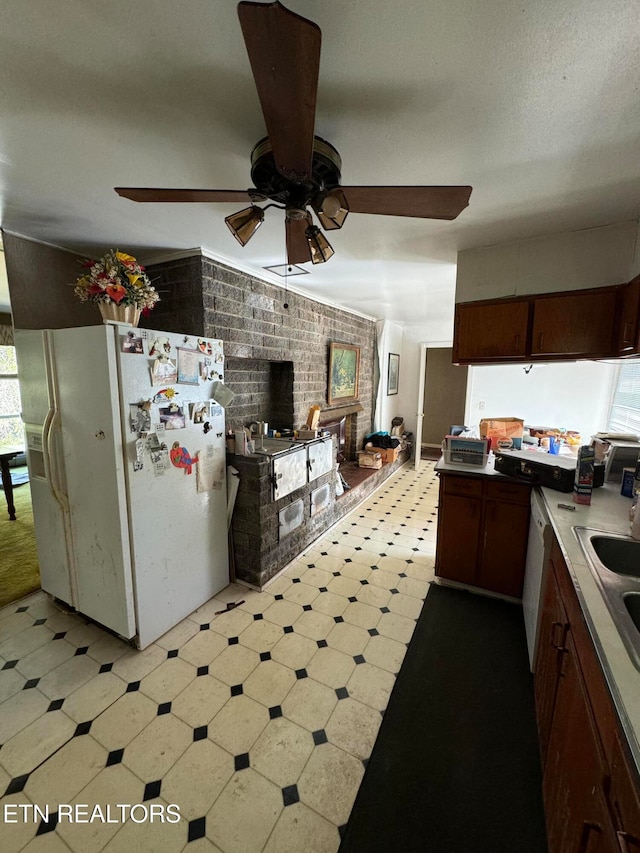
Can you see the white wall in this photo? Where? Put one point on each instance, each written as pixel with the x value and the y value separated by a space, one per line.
pixel 574 395
pixel 389 340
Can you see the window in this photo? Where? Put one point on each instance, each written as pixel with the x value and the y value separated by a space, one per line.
pixel 11 431
pixel 624 416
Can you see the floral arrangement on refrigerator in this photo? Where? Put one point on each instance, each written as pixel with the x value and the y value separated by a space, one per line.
pixel 116 278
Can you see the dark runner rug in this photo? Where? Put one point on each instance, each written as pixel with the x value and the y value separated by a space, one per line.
pixel 455 767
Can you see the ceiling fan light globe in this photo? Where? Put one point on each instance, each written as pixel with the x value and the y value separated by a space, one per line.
pixel 244 224
pixel 332 210
pixel 319 247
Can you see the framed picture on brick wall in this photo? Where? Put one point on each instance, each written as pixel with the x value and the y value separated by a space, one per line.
pixel 344 371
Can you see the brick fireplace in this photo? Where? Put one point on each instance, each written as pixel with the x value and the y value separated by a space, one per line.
pixel 276 358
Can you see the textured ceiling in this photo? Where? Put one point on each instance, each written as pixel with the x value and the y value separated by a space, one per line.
pixel 536 105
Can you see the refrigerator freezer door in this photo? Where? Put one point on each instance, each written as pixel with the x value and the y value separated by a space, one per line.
pixel 52 530
pixel 86 375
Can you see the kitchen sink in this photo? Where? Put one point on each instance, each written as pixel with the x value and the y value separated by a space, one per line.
pixel 632 603
pixel 614 561
pixel 618 554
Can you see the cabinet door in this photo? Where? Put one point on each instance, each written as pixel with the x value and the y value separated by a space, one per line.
pixel 577 814
pixel 504 549
pixel 580 324
pixel 624 799
pixel 552 629
pixel 628 309
pixel 490 331
pixel 458 536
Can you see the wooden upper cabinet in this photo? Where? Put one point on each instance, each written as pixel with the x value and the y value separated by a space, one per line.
pixel 574 324
pixel 601 322
pixel 628 337
pixel 494 331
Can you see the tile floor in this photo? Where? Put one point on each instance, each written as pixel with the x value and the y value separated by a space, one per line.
pixel 256 721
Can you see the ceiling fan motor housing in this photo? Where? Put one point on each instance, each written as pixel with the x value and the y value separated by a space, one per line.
pixel 325 174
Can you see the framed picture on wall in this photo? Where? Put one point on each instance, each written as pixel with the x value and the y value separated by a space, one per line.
pixel 393 374
pixel 344 370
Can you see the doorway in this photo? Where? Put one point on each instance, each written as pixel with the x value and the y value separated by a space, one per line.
pixel 445 394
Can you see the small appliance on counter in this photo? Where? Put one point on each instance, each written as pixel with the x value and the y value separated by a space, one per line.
pixel 459 450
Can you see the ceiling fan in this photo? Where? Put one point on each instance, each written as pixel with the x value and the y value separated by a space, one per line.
pixel 291 167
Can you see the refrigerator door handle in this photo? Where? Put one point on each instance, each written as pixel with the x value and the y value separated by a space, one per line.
pixel 55 482
pixel 45 449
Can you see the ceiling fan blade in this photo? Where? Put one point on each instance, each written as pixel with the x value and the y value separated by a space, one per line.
pixel 421 202
pixel 170 195
pixel 284 52
pixel 298 251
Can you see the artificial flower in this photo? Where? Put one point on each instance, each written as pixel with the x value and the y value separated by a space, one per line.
pixel 118 278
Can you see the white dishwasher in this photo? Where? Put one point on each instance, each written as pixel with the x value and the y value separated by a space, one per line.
pixel 537 554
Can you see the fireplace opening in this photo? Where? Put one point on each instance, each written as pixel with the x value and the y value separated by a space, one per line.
pixel 263 392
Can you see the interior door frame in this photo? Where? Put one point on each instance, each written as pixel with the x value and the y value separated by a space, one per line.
pixel 421 387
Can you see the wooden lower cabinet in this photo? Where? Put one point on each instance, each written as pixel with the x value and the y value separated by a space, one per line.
pixel 483 525
pixel 590 787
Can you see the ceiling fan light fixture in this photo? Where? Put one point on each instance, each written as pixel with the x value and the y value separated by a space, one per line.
pixel 319 247
pixel 332 210
pixel 244 224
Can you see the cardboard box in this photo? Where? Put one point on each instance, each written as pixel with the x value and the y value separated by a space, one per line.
pixel 388 454
pixel 495 428
pixel 369 459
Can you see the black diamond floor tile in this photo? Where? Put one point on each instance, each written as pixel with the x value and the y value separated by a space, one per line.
pixel 173 653
pixel 164 708
pixel 197 828
pixel 132 686
pixel 290 795
pixel 106 667
pixel 152 790
pixel 83 728
pixel 200 732
pixel 202 670
pixel 319 737
pixel 48 825
pixel 114 757
pixel 237 690
pixel 275 712
pixel 241 762
pixel 16 785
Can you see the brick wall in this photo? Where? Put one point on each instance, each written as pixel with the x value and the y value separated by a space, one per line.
pixel 204 297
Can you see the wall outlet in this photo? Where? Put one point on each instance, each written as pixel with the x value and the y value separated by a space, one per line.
pixel 480 405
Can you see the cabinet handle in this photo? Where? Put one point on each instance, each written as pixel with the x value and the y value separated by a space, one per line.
pixel 587 827
pixel 622 838
pixel 517 347
pixel 540 339
pixel 626 337
pixel 557 646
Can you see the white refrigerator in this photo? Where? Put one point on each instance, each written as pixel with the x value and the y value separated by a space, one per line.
pixel 126 455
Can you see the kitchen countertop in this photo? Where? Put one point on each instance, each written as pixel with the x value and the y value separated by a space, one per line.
pixel 609 512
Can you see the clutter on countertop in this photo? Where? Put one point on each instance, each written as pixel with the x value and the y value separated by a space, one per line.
pixel 503 429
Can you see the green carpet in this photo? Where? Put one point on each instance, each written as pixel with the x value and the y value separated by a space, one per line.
pixel 455 767
pixel 19 573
